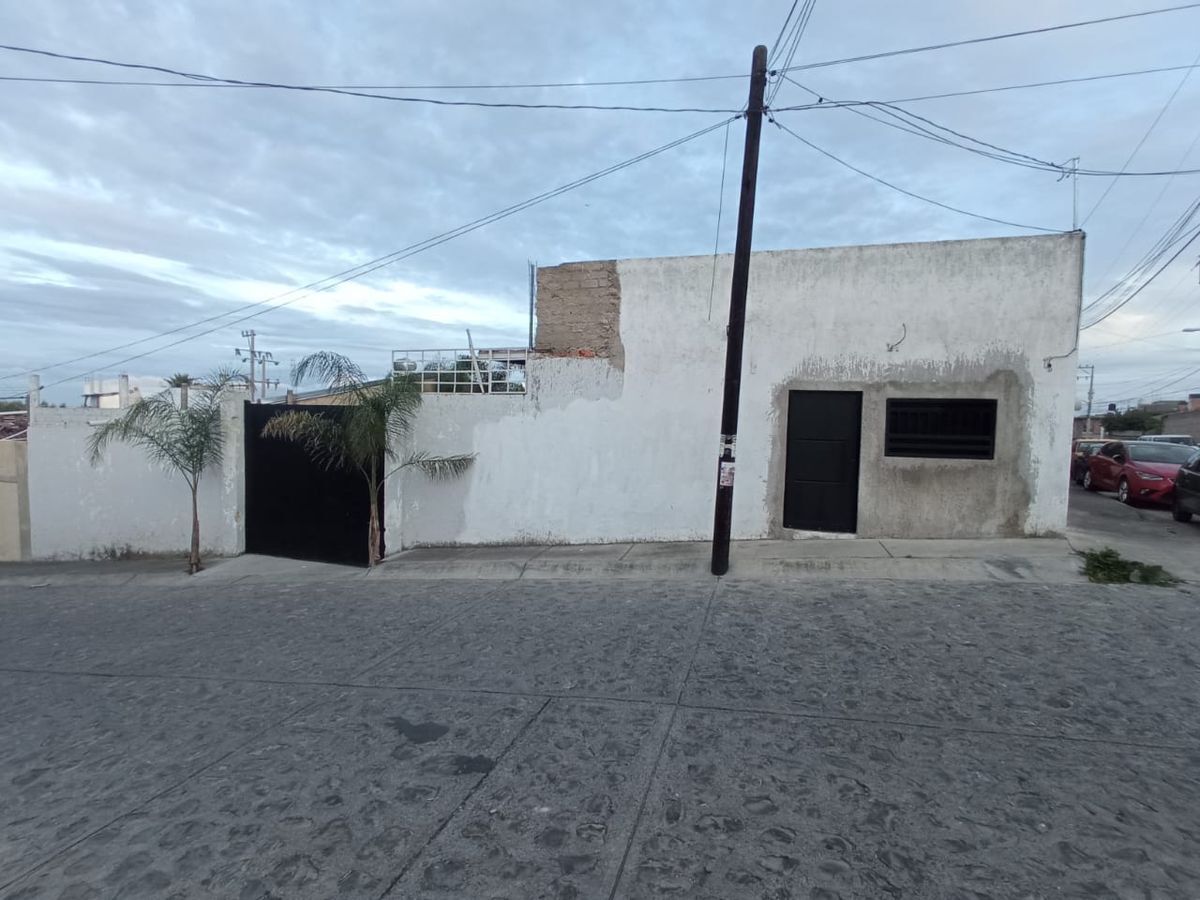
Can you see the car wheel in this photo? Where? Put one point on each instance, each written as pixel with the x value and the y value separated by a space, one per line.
pixel 1178 513
pixel 1088 483
pixel 1123 491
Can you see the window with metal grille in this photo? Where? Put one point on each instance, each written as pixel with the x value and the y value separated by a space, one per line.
pixel 945 429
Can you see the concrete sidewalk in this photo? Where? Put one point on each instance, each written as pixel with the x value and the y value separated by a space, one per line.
pixel 1047 561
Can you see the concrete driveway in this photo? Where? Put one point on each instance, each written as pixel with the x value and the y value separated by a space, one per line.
pixel 599 739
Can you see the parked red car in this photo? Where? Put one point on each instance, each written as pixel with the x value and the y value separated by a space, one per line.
pixel 1081 449
pixel 1139 471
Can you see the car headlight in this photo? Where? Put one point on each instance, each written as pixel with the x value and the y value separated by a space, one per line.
pixel 1148 476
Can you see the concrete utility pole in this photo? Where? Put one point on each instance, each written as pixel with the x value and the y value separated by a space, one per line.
pixel 266 357
pixel 256 356
pixel 1091 370
pixel 723 515
pixel 532 294
pixel 249 336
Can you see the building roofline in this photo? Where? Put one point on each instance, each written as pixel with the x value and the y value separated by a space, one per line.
pixel 1003 239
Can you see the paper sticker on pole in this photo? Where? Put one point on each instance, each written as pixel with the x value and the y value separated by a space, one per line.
pixel 725 476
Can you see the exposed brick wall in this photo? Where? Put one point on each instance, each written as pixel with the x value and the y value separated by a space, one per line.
pixel 579 311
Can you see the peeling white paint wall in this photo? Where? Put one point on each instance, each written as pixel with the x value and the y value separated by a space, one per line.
pixel 596 454
pixel 126 503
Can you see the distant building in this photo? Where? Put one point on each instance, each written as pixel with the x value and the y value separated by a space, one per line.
pixel 110 393
pixel 1163 407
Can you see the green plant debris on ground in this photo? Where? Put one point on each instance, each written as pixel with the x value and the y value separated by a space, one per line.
pixel 1107 566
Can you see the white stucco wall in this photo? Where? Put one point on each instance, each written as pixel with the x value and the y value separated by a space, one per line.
pixel 125 503
pixel 595 453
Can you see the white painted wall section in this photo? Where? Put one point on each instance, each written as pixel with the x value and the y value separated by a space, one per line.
pixel 126 503
pixel 597 453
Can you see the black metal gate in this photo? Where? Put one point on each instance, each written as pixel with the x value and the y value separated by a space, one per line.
pixel 824 430
pixel 297 508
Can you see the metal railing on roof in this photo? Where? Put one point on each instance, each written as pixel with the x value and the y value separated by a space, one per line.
pixel 483 371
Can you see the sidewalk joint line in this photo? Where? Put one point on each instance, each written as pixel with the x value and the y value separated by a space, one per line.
pixel 525 565
pixel 642 701
pixel 171 787
pixel 662 747
pixel 429 631
pixel 471 793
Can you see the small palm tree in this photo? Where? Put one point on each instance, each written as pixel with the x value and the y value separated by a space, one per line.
pixel 378 416
pixel 186 438
pixel 178 380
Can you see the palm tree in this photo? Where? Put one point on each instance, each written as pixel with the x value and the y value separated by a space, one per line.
pixel 178 380
pixel 186 438
pixel 378 416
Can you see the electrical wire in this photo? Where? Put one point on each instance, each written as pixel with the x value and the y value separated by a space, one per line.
pixel 994 37
pixel 1162 112
pixel 355 89
pixel 1132 340
pixel 1153 206
pixel 213 79
pixel 782 29
pixel 380 262
pixel 911 123
pixel 791 44
pixel 1145 284
pixel 1157 389
pixel 909 193
pixel 432 87
pixel 916 125
pixel 1176 232
pixel 712 286
pixel 1038 84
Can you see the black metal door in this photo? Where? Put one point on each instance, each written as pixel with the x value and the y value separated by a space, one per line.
pixel 824 429
pixel 295 507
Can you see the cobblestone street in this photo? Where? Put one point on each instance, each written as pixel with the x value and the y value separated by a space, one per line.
pixel 599 739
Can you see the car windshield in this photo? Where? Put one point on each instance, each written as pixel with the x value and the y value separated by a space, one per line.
pixel 1160 453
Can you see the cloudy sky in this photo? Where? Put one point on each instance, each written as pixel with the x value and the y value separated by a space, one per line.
pixel 127 212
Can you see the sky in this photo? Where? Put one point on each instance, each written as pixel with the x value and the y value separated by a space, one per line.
pixel 130 211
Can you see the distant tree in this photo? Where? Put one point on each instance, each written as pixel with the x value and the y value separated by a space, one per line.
pixel 12 405
pixel 1138 420
pixel 378 416
pixel 178 380
pixel 183 439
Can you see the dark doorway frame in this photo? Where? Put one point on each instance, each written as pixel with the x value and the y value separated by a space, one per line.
pixel 822 456
pixel 295 507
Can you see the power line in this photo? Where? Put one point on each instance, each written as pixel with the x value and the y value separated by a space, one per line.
pixel 1145 284
pixel 1038 84
pixel 1176 232
pixel 1133 340
pixel 1162 112
pixel 712 286
pixel 909 193
pixel 995 152
pixel 981 40
pixel 1153 206
pixel 906 124
pixel 213 79
pixel 412 250
pixel 352 89
pixel 782 29
pixel 791 44
pixel 565 84
pixel 1156 389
